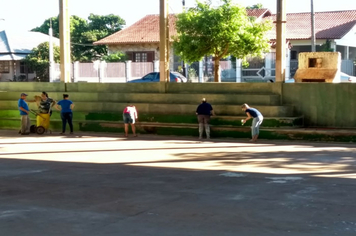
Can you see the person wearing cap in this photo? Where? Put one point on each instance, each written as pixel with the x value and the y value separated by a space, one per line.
pixel 129 116
pixel 66 113
pixel 256 115
pixel 24 111
pixel 204 111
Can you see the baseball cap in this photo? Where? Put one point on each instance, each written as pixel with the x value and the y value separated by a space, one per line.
pixel 23 94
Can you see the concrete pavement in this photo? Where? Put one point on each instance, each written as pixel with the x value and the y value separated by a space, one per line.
pixel 105 184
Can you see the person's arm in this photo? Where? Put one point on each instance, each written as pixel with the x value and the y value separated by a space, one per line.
pixel 136 114
pixel 248 117
pixel 57 107
pixel 72 106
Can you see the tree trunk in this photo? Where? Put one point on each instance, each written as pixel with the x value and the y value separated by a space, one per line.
pixel 217 75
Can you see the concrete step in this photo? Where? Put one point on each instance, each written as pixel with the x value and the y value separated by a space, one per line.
pixel 215 99
pixel 192 130
pixel 166 118
pixel 155 108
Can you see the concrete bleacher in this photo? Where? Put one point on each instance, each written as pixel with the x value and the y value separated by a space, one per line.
pixel 163 108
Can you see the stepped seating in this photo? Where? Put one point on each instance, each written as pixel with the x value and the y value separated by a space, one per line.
pixel 163 109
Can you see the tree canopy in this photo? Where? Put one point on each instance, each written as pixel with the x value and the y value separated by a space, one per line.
pixel 38 60
pixel 256 6
pixel 219 31
pixel 85 32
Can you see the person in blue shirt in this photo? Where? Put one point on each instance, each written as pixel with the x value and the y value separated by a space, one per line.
pixel 24 111
pixel 253 113
pixel 66 113
pixel 204 111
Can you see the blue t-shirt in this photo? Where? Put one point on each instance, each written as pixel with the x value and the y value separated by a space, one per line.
pixel 253 112
pixel 24 105
pixel 204 109
pixel 65 104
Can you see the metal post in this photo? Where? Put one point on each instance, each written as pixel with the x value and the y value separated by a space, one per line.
pixel 312 26
pixel 64 36
pixel 51 56
pixel 164 40
pixel 281 41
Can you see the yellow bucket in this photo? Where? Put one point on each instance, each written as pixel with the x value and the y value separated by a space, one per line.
pixel 43 120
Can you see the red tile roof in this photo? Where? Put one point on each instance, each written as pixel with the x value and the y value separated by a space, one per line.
pixel 258 12
pixel 328 25
pixel 146 30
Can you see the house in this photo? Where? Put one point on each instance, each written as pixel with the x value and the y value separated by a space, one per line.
pixel 15 46
pixel 140 41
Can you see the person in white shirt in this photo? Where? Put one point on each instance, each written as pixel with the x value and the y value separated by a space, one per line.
pixel 130 116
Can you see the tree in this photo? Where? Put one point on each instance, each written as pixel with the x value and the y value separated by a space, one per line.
pixel 256 6
pixel 220 32
pixel 115 57
pixel 84 33
pixel 38 60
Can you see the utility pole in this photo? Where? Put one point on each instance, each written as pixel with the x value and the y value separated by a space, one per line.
pixel 184 68
pixel 164 42
pixel 281 41
pixel 312 26
pixel 64 36
pixel 51 56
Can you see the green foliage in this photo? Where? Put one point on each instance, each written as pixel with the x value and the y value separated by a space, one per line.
pixel 326 47
pixel 115 57
pixel 220 32
pixel 84 32
pixel 38 60
pixel 256 6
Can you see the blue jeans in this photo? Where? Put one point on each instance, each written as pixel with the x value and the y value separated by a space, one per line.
pixel 67 116
pixel 256 123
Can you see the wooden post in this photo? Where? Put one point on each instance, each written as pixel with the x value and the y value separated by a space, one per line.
pixel 164 42
pixel 64 36
pixel 281 41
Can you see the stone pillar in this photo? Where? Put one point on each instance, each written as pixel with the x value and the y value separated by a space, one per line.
pixel 288 64
pixel 102 68
pixel 238 70
pixel 76 71
pixel 201 72
pixel 156 66
pixel 128 70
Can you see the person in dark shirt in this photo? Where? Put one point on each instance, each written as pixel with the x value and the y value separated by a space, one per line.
pixel 253 113
pixel 66 113
pixel 204 111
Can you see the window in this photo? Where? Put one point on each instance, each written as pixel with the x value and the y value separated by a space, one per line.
pixel 141 56
pixel 24 69
pixel 293 55
pixel 4 67
pixel 312 62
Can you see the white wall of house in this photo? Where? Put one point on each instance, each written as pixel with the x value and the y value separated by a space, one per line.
pixel 349 39
pixel 140 48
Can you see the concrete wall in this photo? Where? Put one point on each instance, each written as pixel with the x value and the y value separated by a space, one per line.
pixel 323 104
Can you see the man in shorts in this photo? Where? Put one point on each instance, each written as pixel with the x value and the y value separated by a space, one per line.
pixel 130 116
pixel 204 111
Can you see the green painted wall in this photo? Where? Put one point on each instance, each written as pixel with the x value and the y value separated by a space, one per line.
pixel 323 104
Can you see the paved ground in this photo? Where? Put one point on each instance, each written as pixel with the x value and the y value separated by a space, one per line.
pixel 102 185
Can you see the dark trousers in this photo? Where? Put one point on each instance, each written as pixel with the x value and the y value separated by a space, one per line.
pixel 67 116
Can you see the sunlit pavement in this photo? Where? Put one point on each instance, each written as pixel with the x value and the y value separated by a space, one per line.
pixel 106 184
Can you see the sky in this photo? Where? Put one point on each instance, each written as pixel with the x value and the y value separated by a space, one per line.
pixel 24 15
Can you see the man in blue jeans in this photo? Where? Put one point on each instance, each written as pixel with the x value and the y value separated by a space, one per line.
pixel 253 113
pixel 66 113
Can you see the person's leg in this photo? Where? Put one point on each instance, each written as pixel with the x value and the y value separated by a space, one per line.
pixel 257 127
pixel 201 125
pixel 28 124
pixel 70 121
pixel 23 124
pixel 206 125
pixel 133 128
pixel 126 129
pixel 64 122
pixel 253 129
